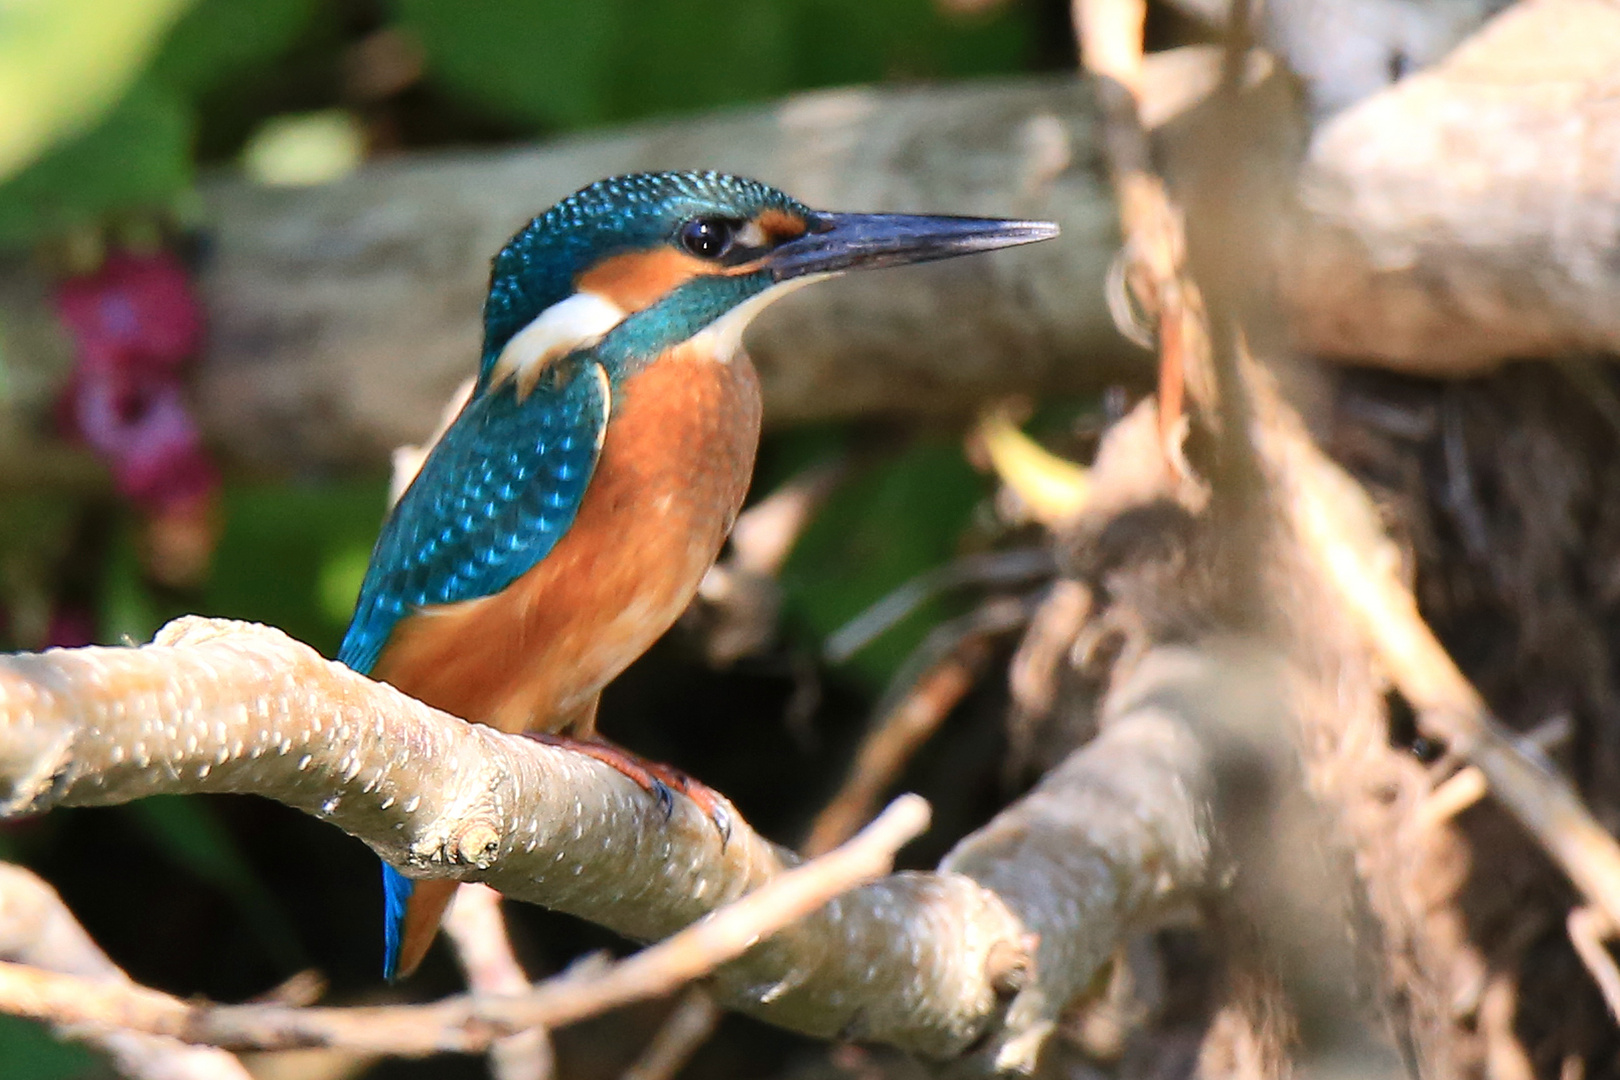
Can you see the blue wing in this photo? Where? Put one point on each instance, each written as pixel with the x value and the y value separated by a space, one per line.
pixel 493 498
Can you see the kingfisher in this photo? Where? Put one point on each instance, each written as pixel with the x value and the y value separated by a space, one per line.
pixel 562 522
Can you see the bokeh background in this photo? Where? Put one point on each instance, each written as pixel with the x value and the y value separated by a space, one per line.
pixel 110 110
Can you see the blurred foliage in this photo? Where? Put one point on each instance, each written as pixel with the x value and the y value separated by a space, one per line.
pixel 291 556
pixel 62 62
pixel 564 64
pixel 895 519
pixel 139 154
pixel 536 66
pixel 29 1052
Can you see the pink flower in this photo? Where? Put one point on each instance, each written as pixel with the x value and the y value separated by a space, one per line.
pixel 135 322
pixel 137 312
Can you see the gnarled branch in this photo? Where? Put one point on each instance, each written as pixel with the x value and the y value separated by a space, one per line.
pixel 926 961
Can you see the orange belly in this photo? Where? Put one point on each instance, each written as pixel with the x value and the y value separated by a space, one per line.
pixel 672 474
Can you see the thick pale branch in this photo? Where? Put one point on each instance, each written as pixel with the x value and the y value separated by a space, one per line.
pixel 934 962
pixel 1467 214
pixel 225 707
pixel 1107 840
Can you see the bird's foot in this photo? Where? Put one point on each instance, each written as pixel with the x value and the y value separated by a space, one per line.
pixel 657 779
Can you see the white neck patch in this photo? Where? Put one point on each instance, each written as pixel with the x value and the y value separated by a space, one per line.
pixel 722 338
pixel 575 323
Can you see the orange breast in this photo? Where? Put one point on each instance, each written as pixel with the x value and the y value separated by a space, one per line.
pixel 673 471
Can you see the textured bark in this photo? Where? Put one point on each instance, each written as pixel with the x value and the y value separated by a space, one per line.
pixel 1472 212
pixel 933 962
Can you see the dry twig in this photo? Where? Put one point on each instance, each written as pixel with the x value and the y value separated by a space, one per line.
pixel 477 929
pixel 474 1022
pixel 893 738
pixel 687 1027
pixel 1340 529
pixel 37 929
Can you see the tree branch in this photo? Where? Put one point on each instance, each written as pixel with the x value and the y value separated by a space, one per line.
pixel 477 1021
pixel 1466 214
pixel 932 962
pixel 36 929
pixel 342 316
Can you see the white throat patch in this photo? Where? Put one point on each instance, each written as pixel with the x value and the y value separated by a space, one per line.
pixel 722 338
pixel 574 323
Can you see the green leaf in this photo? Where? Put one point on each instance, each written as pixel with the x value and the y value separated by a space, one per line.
pixel 677 55
pixel 559 64
pixel 29 1052
pixel 879 530
pixel 217 40
pixel 908 39
pixel 138 155
pixel 546 62
pixel 64 62
pixel 289 555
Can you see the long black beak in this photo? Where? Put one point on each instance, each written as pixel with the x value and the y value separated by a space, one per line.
pixel 859 241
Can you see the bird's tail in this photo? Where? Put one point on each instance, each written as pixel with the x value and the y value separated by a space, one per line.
pixel 397 889
pixel 411 914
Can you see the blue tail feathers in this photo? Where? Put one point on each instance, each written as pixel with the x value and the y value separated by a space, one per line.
pixel 397 889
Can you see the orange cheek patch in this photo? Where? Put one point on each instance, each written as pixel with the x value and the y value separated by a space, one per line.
pixel 638 279
pixel 780 225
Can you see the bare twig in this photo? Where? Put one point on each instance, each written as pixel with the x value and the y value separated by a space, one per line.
pixel 893 738
pixel 1590 932
pixel 1341 530
pixel 686 1028
pixel 37 929
pixel 476 927
pixel 474 1022
pixel 989 568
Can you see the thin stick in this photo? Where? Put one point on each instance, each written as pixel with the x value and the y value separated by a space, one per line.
pixel 37 929
pixel 686 1028
pixel 472 1023
pixel 1338 526
pixel 1590 932
pixel 893 740
pixel 477 928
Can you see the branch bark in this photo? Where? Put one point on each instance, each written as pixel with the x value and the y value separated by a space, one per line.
pixel 1467 214
pixel 932 962
pixel 343 316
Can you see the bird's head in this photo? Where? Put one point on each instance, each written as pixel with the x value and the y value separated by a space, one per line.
pixel 635 265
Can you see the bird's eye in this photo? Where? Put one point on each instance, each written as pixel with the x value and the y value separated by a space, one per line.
pixel 707 238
